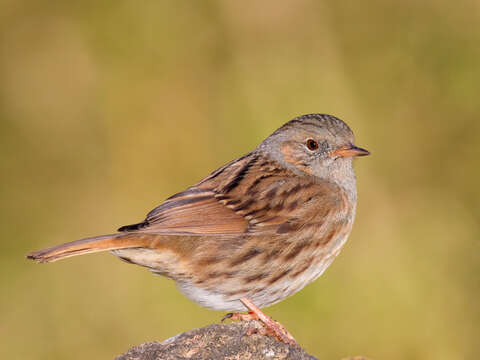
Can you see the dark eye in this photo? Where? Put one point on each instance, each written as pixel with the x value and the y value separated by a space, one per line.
pixel 312 144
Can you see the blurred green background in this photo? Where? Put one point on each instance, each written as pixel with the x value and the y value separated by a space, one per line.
pixel 109 107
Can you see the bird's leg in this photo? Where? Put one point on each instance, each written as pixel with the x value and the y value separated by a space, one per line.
pixel 272 327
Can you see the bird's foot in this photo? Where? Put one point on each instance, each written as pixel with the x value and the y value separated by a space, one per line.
pixel 241 316
pixel 272 327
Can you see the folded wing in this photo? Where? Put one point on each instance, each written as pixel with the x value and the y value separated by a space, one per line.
pixel 251 196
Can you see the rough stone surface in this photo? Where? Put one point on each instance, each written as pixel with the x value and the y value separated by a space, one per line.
pixel 217 341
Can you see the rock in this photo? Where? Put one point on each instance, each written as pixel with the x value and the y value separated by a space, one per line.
pixel 217 341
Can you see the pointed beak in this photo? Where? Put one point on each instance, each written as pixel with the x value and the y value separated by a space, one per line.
pixel 349 151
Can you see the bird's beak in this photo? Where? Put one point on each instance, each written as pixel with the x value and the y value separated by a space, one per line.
pixel 349 151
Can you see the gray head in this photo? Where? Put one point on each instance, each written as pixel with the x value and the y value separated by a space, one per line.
pixel 316 145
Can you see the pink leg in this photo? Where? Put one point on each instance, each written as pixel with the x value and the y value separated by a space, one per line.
pixel 273 327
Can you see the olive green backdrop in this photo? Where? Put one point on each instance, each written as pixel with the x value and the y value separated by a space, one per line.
pixel 109 107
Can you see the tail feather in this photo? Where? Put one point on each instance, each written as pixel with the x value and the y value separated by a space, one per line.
pixel 89 245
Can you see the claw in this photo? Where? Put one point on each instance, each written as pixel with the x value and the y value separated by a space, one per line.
pixel 227 316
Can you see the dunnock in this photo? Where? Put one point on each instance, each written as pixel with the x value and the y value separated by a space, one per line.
pixel 253 232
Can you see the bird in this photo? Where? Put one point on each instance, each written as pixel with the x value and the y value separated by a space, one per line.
pixel 253 232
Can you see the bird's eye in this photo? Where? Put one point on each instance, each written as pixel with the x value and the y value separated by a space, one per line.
pixel 312 144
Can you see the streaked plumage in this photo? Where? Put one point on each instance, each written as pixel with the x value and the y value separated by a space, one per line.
pixel 261 227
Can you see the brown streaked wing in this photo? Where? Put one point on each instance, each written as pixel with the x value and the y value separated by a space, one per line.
pixel 251 195
pixel 195 211
pixel 201 209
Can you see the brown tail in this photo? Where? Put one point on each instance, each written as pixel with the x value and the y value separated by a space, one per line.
pixel 89 245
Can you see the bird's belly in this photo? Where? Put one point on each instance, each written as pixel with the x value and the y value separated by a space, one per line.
pixel 210 298
pixel 262 295
pixel 288 287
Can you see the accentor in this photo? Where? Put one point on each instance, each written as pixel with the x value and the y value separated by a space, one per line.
pixel 253 232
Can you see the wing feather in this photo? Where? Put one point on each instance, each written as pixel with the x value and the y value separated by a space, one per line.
pixel 251 196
